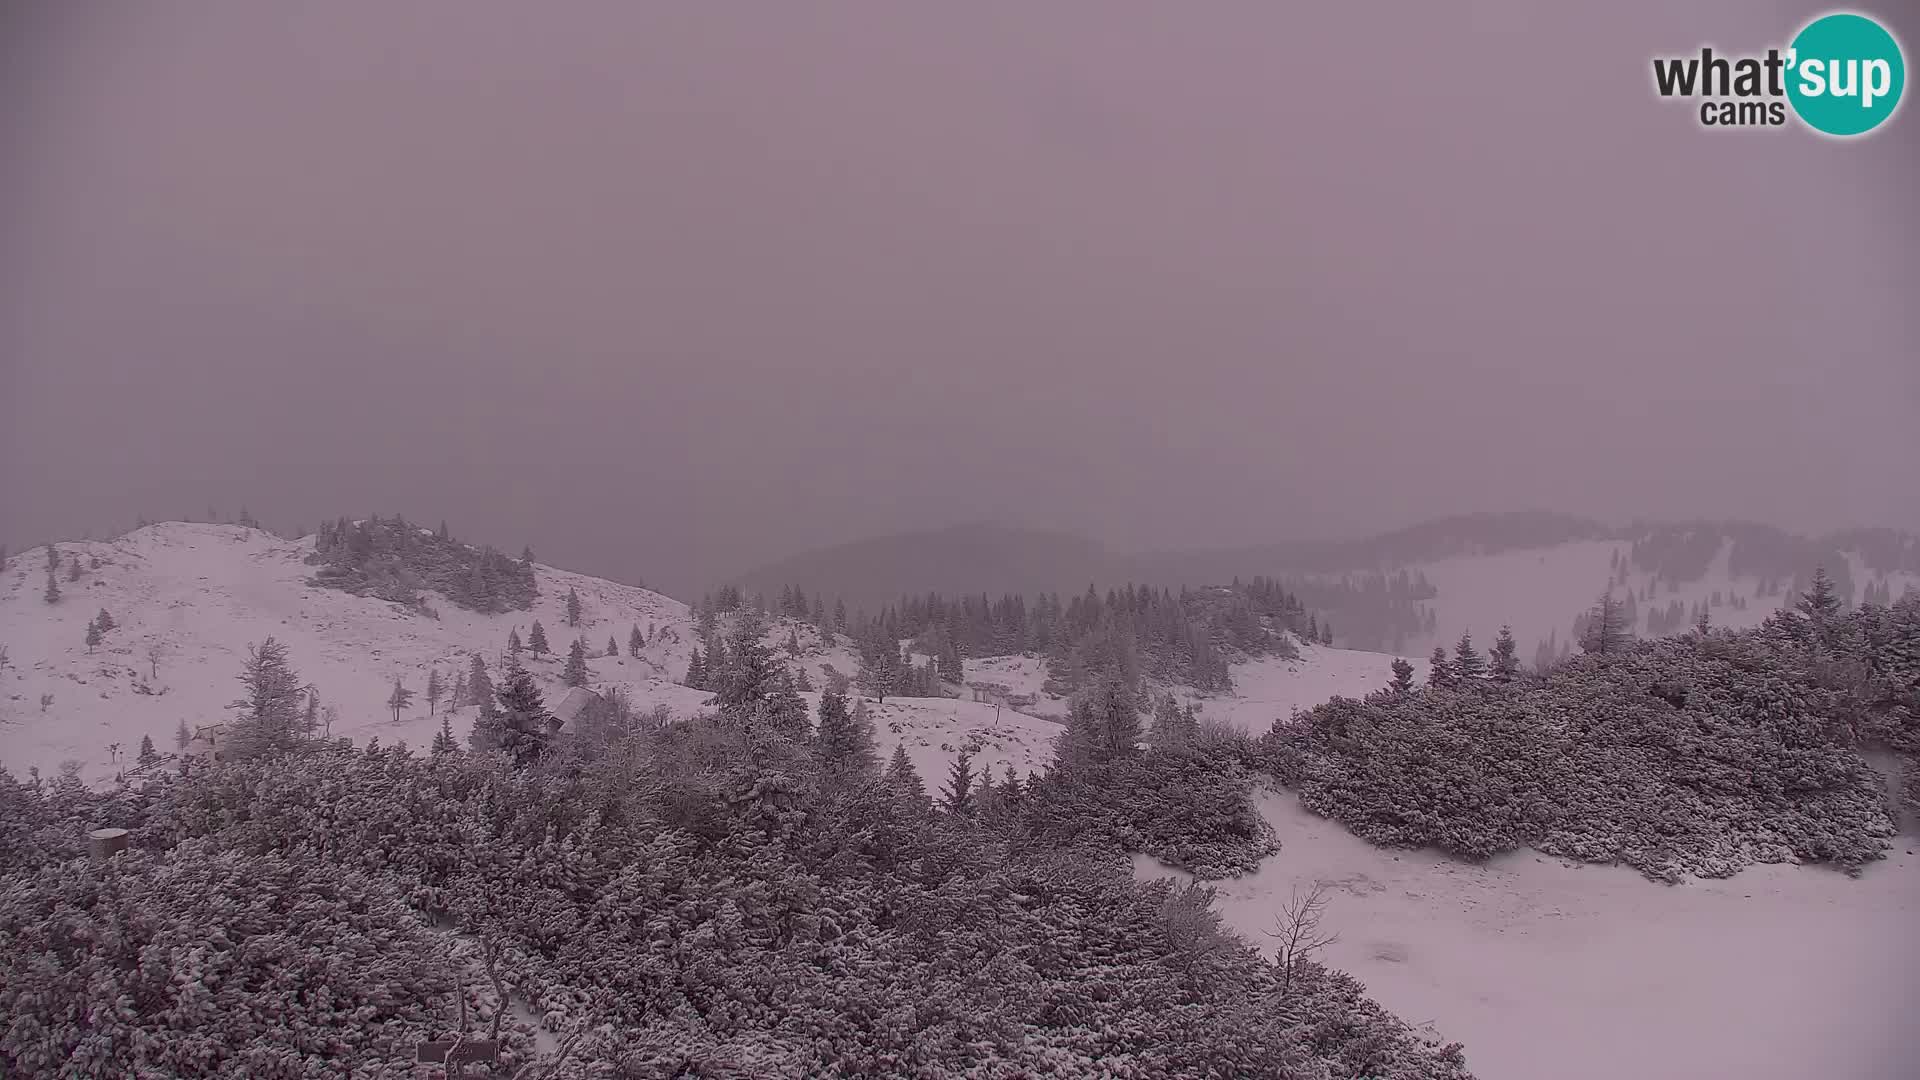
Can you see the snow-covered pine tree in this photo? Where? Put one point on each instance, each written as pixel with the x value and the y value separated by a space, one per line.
pixel 1402 683
pixel 844 740
pixel 480 686
pixel 443 740
pixel 1608 627
pixel 435 690
pixel 93 636
pixel 952 668
pixel 1439 669
pixel 105 620
pixel 1119 719
pixel 537 639
pixel 525 726
pixel 573 607
pixel 1468 664
pixel 958 795
pixel 148 755
pixel 747 677
pixel 901 775
pixel 1506 656
pixel 576 671
pixel 787 710
pixel 613 647
pixel 1821 601
pixel 513 643
pixel 635 641
pixel 696 678
pixel 270 707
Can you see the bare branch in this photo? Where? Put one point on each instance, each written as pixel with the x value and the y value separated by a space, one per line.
pixel 1298 933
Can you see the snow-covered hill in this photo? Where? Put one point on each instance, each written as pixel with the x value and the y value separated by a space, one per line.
pixel 189 599
pixel 1539 591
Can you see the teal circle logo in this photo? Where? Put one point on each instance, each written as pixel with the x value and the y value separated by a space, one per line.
pixel 1845 74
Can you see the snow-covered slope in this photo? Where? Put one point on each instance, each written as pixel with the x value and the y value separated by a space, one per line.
pixel 189 599
pixel 1539 591
pixel 1548 969
pixel 1272 689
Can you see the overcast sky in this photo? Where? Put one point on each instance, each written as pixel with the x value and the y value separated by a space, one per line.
pixel 669 289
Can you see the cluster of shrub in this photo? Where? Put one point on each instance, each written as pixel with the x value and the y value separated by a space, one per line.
pixel 1689 755
pixel 394 559
pixel 742 894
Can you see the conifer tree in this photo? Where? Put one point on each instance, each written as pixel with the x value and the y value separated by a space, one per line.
pixel 635 641
pixel 1439 669
pixel 513 643
pixel 844 740
pixel 1402 684
pixel 958 796
pixel 105 620
pixel 73 569
pixel 613 647
pixel 525 726
pixel 952 669
pixel 573 607
pixel 435 689
pixel 93 636
pixel 181 737
pixel 902 777
pixel 787 710
pixel 1821 601
pixel 399 699
pixel 443 741
pixel 480 686
pixel 576 672
pixel 459 695
pixel 148 755
pixel 1172 727
pixel 1468 664
pixel 1703 622
pixel 801 681
pixel 696 672
pixel 1608 629
pixel 747 677
pixel 52 593
pixel 1118 718
pixel 1506 656
pixel 537 639
pixel 270 708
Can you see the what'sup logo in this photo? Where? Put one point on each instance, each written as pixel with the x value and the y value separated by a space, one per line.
pixel 1842 75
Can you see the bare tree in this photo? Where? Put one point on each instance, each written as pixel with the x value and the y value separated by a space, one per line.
pixel 1298 933
pixel 156 651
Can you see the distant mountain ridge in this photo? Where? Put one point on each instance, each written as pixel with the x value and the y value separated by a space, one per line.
pixel 1400 590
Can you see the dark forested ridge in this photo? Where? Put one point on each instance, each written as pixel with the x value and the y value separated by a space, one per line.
pixel 395 560
pixel 1129 633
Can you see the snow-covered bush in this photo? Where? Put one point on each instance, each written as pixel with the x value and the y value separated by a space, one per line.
pixel 1689 755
